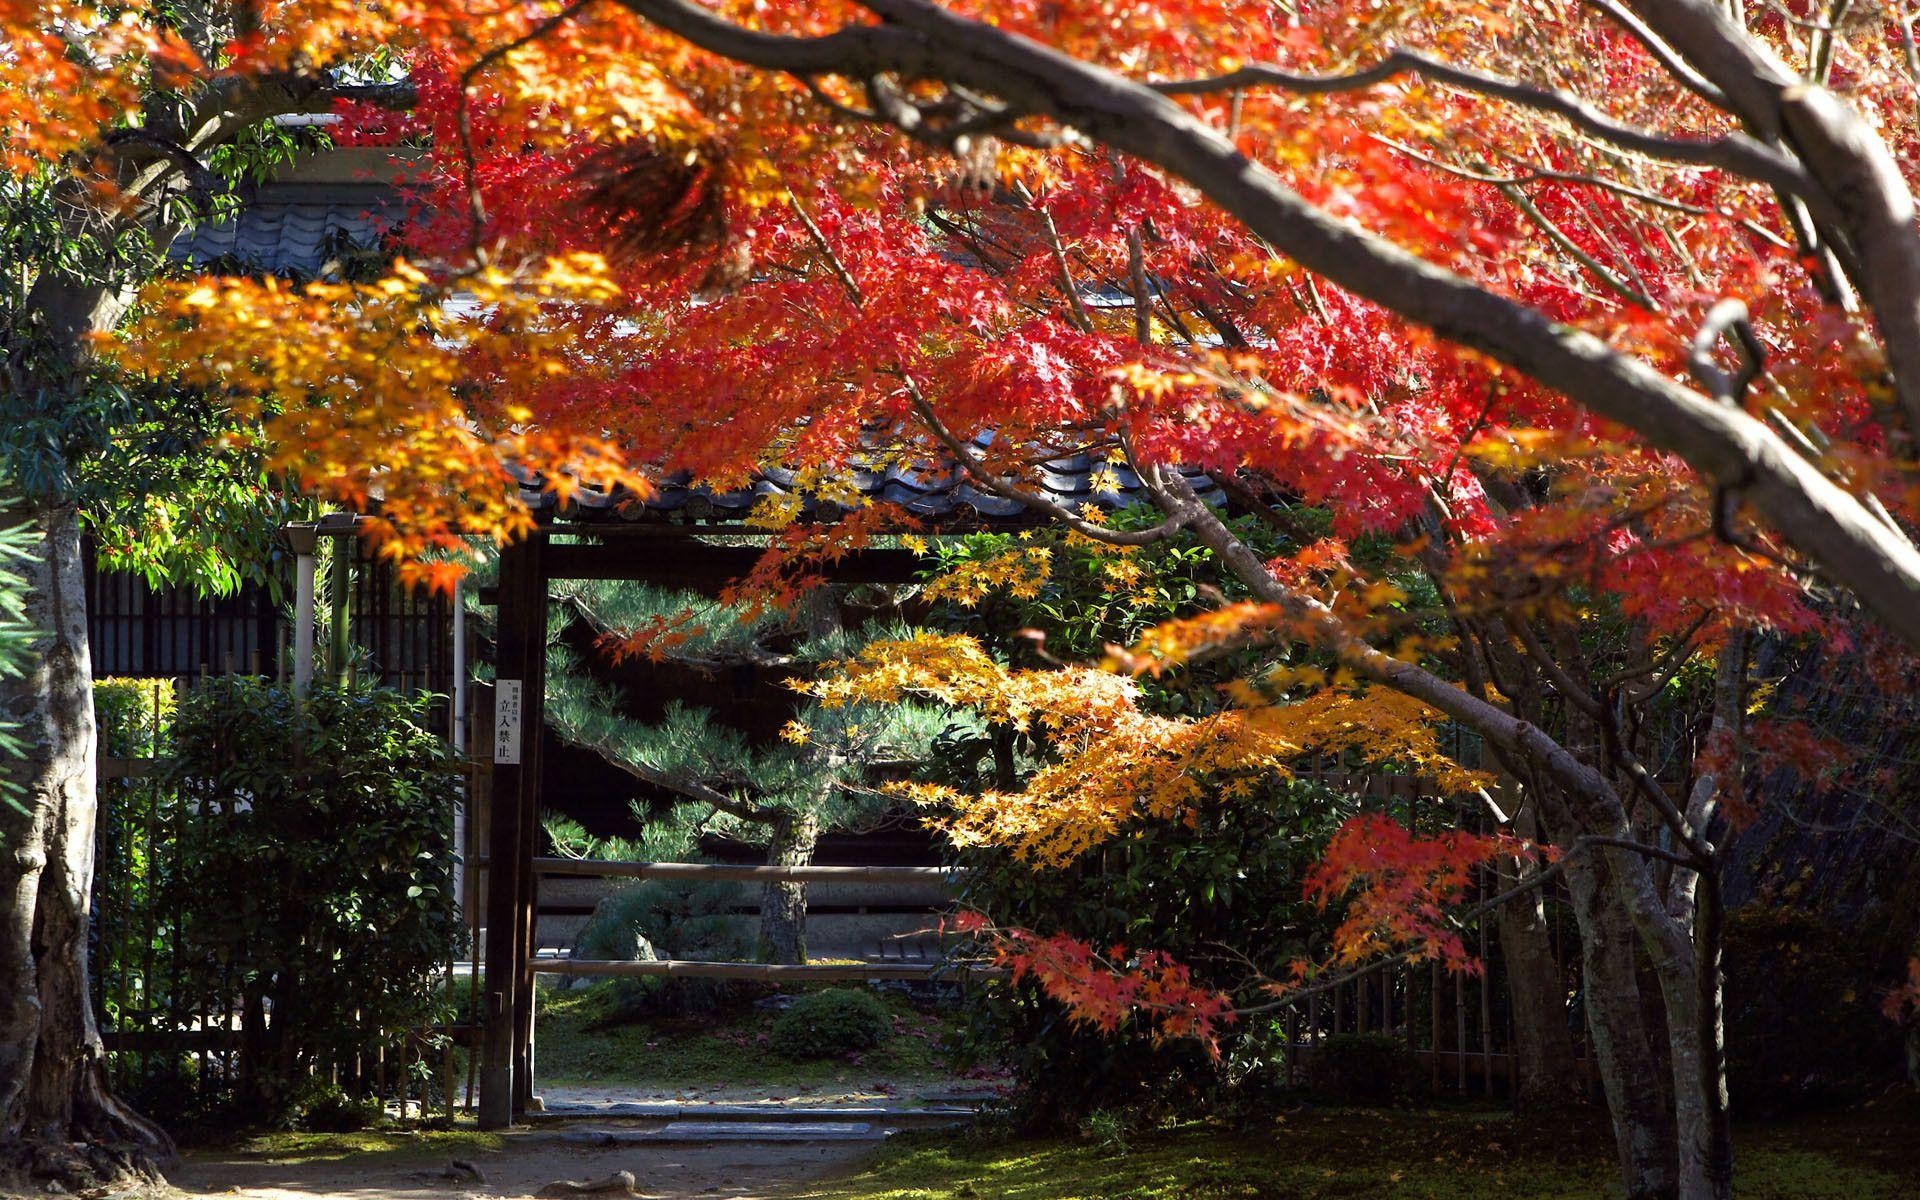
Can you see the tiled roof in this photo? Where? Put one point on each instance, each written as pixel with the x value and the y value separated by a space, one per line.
pixel 296 230
pixel 932 491
pixel 301 230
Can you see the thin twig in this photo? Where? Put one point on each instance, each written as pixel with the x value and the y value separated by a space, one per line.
pixel 1662 53
pixel 1545 876
pixel 476 205
pixel 963 454
pixel 1735 152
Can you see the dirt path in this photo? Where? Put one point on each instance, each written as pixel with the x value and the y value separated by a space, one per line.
pixel 525 1163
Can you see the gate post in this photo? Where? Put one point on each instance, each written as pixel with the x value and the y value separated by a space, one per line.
pixel 520 679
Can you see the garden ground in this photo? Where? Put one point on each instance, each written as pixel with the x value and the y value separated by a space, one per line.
pixel 415 1166
pixel 1445 1153
pixel 1442 1154
pixel 581 1054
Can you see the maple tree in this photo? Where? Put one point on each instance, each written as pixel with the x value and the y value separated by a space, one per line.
pixel 1603 312
pixel 1221 886
pixel 120 129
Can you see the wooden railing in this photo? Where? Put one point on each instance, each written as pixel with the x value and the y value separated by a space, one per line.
pixel 759 972
pixel 731 873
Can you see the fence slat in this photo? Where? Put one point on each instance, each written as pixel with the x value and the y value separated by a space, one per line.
pixel 685 969
pixel 743 874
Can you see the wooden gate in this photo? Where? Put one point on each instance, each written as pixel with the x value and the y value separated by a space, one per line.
pixel 1458 1028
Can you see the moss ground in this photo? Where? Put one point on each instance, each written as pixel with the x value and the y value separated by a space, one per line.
pixel 577 1046
pixel 1868 1153
pixel 1324 1155
pixel 365 1145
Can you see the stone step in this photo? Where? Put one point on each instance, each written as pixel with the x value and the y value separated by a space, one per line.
pixel 731 1131
pixel 673 1110
pixel 971 1098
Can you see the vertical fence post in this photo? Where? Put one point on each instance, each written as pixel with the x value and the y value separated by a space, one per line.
pixel 1486 1000
pixel 459 689
pixel 520 678
pixel 1386 1001
pixel 457 720
pixel 1460 1032
pixel 1293 1046
pixel 305 541
pixel 1433 1026
pixel 1313 1027
pixel 340 610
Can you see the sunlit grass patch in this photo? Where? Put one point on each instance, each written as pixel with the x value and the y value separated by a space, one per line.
pixel 299 1147
pixel 1332 1154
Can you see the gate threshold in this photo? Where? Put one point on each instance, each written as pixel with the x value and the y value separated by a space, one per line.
pixel 648 1110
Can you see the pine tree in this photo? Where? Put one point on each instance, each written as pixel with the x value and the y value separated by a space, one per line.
pixel 16 636
pixel 818 778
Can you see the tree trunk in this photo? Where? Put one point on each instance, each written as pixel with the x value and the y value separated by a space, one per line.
pixel 58 1123
pixel 1913 1055
pixel 795 832
pixel 1689 992
pixel 1709 940
pixel 1543 1045
pixel 783 906
pixel 1638 1088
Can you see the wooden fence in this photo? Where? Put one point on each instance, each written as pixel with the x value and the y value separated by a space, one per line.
pixel 174 1033
pixel 1457 1028
pixel 405 637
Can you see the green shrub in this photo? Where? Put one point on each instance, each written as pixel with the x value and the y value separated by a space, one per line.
pixel 312 884
pixel 1361 1068
pixel 1231 879
pixel 320 1106
pixel 832 1022
pixel 137 818
pixel 134 716
pixel 1108 1129
pixel 665 919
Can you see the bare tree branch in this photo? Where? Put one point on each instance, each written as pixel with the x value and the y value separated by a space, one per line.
pixel 1734 152
pixel 1813 513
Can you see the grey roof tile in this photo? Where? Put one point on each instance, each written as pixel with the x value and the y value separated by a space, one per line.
pixel 298 230
pixel 292 231
pixel 943 495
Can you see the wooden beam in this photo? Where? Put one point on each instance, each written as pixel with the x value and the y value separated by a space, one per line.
pixel 125 768
pixel 703 566
pixel 521 658
pixel 532 776
pixel 762 972
pixel 722 872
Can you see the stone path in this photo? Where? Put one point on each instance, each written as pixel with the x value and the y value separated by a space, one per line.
pixel 528 1162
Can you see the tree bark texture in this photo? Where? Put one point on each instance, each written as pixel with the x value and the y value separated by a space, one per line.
pixel 1543 1044
pixel 783 906
pixel 58 1121
pixel 1633 1074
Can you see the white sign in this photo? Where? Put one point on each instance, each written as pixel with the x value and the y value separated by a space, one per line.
pixel 506 721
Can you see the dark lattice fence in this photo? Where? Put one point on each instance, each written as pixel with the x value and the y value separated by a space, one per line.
pixel 167 1047
pixel 403 638
pixel 182 1009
